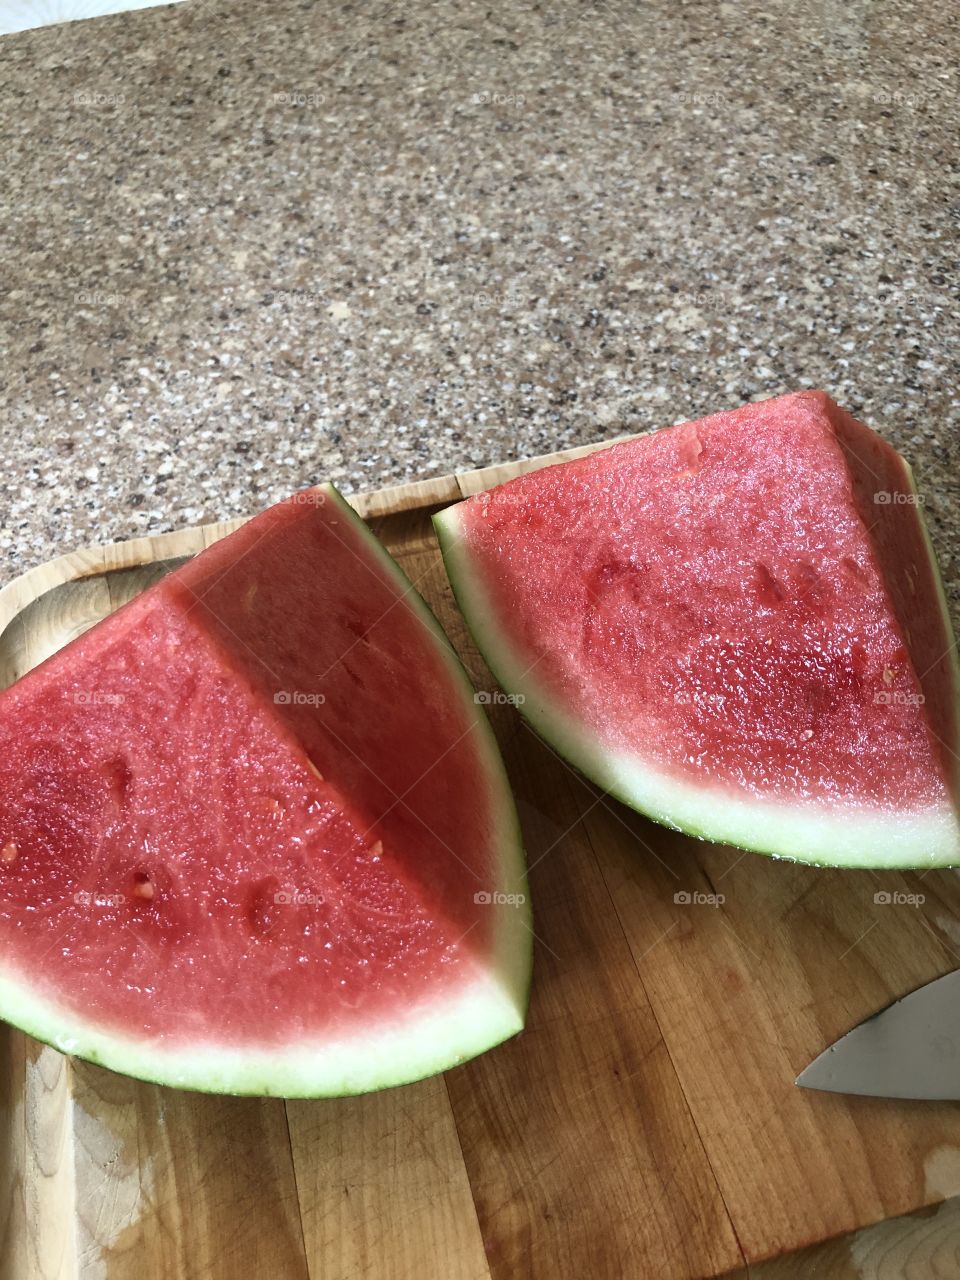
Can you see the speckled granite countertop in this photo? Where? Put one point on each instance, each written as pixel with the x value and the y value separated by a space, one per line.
pixel 249 246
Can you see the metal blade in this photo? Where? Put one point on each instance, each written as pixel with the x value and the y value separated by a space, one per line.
pixel 911 1049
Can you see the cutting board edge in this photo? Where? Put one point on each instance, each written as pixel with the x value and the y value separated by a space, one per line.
pixel 132 553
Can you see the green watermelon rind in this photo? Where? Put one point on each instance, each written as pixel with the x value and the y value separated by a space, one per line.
pixel 942 602
pixel 837 837
pixel 426 1041
pixel 468 1028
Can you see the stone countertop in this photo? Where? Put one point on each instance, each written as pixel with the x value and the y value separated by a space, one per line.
pixel 248 247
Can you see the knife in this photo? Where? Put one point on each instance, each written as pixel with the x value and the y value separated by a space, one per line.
pixel 911 1049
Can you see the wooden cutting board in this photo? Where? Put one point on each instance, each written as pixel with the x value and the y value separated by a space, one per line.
pixel 645 1124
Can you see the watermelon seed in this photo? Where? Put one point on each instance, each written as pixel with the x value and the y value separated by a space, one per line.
pixel 142 886
pixel 263 897
pixel 769 590
pixel 376 850
pixel 357 629
pixel 9 851
pixel 118 776
pixel 854 571
pixel 807 735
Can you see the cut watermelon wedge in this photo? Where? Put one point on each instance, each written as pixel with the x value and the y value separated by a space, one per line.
pixel 255 833
pixel 736 626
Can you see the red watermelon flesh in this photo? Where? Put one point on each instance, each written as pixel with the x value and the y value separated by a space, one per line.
pixel 735 624
pixel 245 822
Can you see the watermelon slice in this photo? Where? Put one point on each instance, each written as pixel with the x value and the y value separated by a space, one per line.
pixel 736 626
pixel 255 833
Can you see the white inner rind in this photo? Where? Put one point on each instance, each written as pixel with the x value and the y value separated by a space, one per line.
pixel 489 1008
pixel 829 834
pixel 383 1054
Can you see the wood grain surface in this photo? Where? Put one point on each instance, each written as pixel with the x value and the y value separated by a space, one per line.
pixel 645 1124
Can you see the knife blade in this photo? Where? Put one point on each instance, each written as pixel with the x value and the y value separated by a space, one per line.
pixel 910 1049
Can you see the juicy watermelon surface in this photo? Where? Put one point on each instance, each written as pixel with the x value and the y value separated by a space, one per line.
pixel 736 625
pixel 249 824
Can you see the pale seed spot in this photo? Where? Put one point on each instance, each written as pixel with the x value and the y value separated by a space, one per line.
pixel 9 851
pixel 143 887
